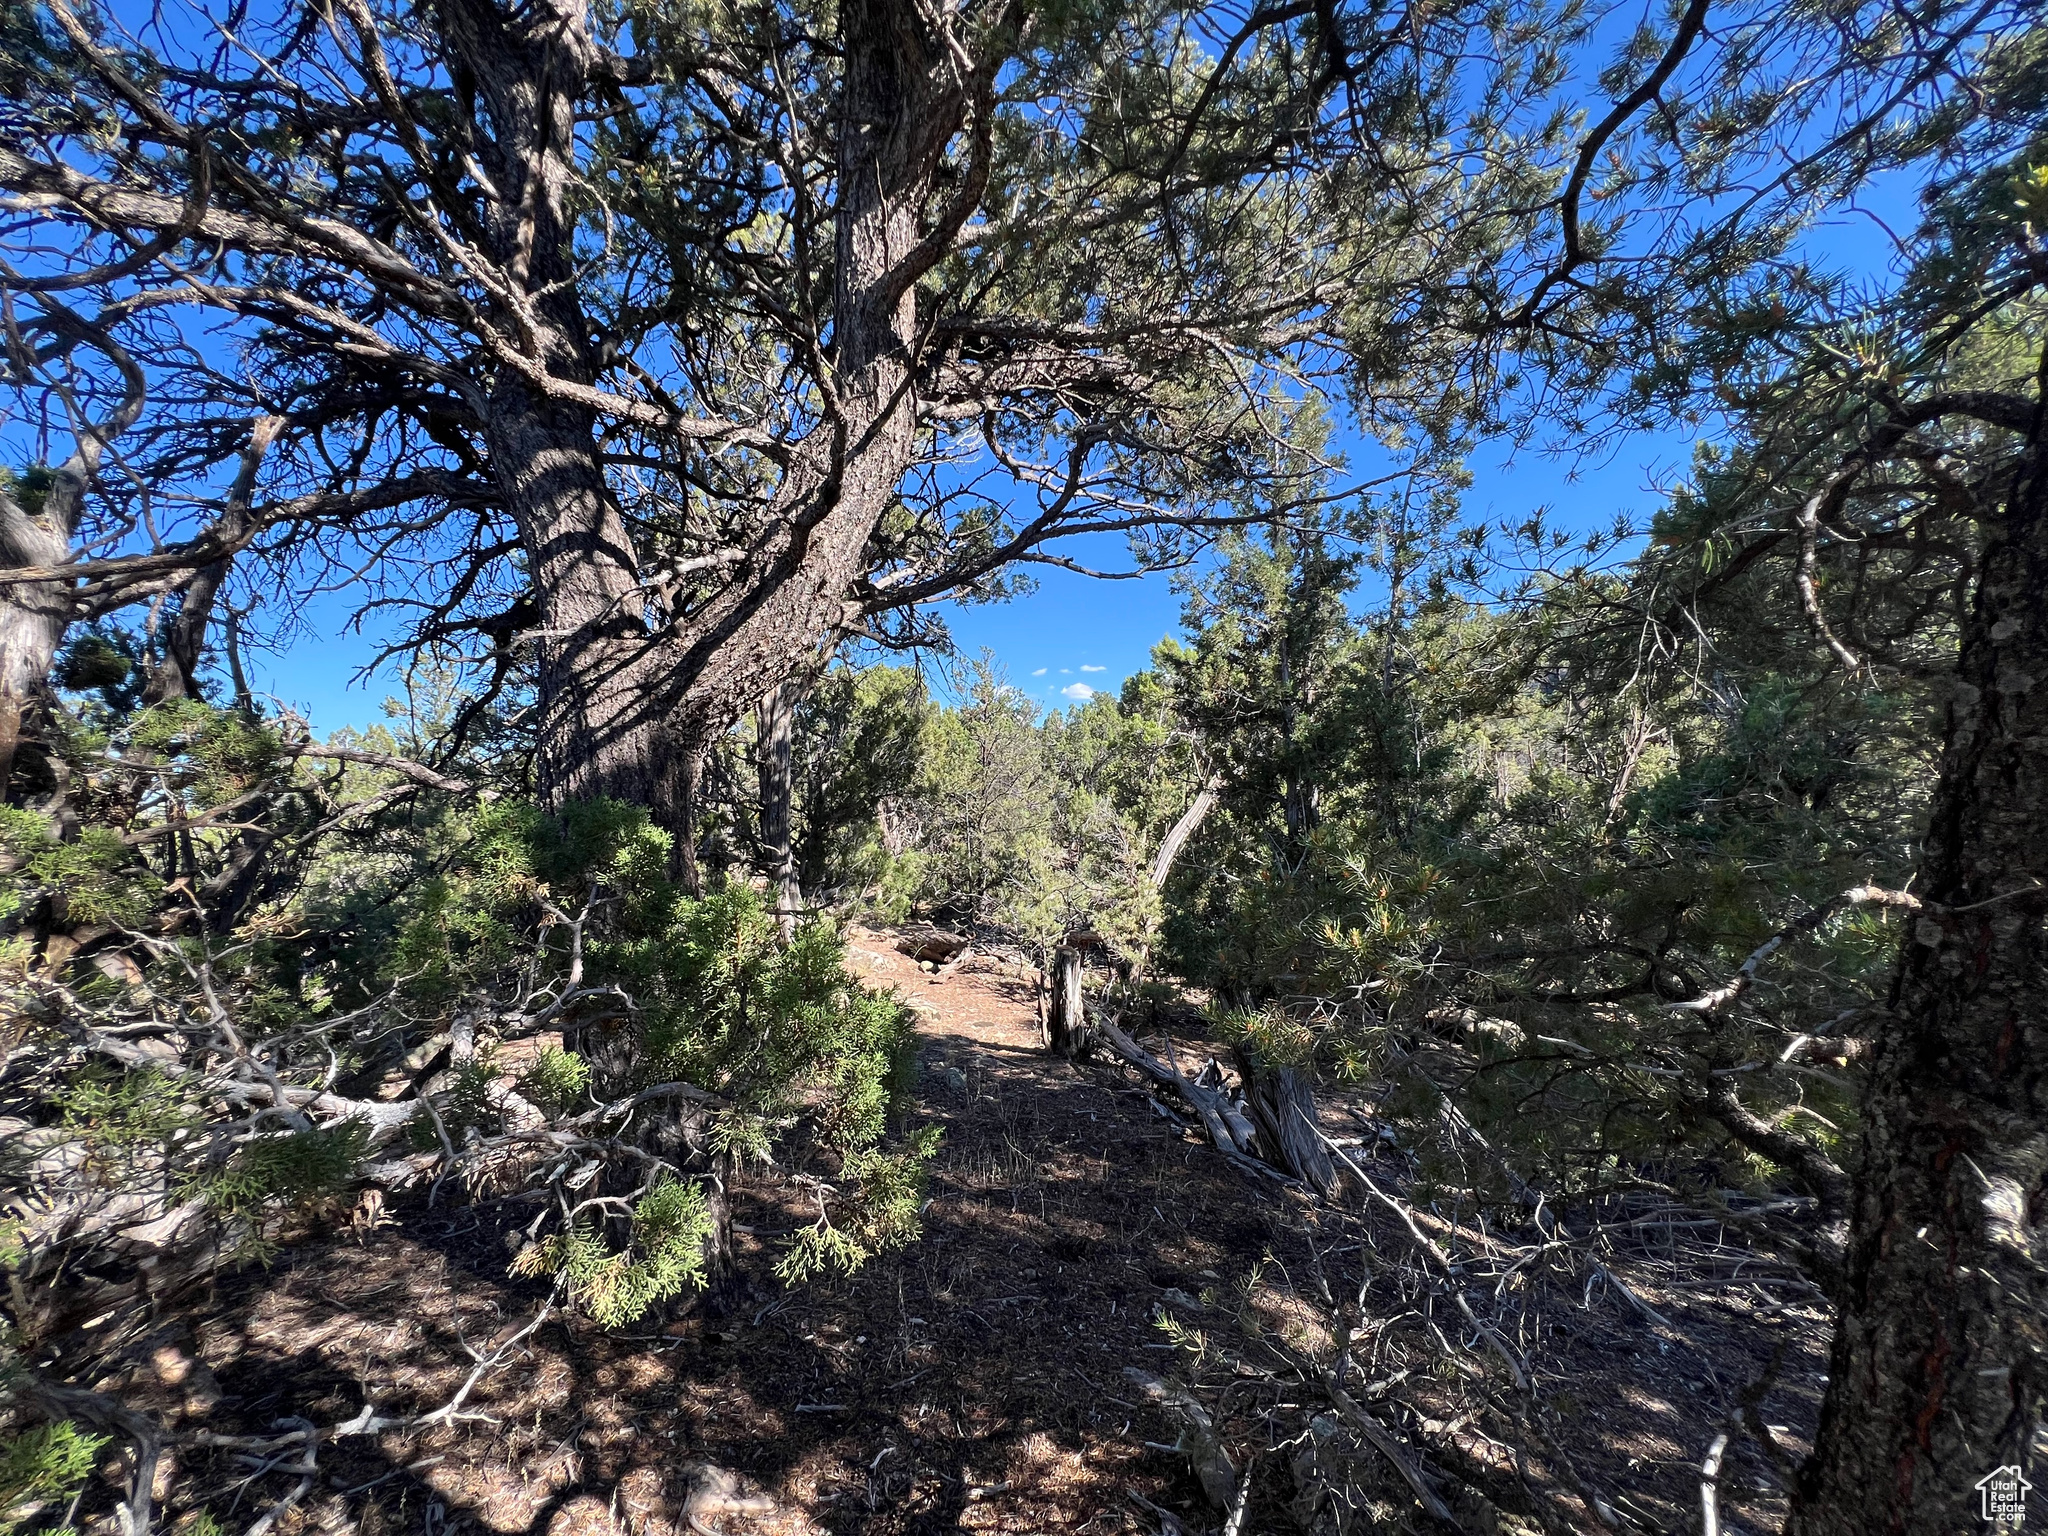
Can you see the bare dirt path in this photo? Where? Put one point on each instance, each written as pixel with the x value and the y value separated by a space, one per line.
pixel 972 1382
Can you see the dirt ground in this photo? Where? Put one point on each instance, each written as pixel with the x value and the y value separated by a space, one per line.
pixel 974 1381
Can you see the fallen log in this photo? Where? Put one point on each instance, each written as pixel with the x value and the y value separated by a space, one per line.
pixel 1226 1124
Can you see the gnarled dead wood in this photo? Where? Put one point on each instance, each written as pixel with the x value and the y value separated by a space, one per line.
pixel 714 1491
pixel 1213 1467
pixel 1283 1105
pixel 50 1401
pixel 1178 834
pixel 1066 1031
pixel 1230 1131
pixel 1380 1439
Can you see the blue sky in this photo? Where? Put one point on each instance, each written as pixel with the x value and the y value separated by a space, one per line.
pixel 1074 634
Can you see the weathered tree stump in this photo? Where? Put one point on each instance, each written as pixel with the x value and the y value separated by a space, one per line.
pixel 1283 1105
pixel 1066 1020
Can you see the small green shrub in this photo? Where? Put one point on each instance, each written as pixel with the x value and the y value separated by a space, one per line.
pixel 41 1466
pixel 881 1200
pixel 23 832
pixel 284 1171
pixel 557 1079
pixel 98 876
pixel 124 1117
pixel 1269 1035
pixel 223 751
pixel 664 1257
pixel 469 1099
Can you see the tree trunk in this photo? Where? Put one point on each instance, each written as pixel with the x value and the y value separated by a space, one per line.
pixel 721 1260
pixel 603 675
pixel 34 615
pixel 679 780
pixel 176 676
pixel 32 620
pixel 1066 1018
pixel 630 699
pixel 902 105
pixel 624 683
pixel 619 693
pixel 1937 1372
pixel 1283 1105
pixel 776 717
pixel 176 673
pixel 1177 836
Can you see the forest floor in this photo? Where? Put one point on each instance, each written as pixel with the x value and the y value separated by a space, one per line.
pixel 975 1381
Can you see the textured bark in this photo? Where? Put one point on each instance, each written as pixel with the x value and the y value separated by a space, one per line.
pixel 1211 1462
pixel 601 669
pixel 901 107
pixel 1937 1372
pixel 677 1128
pixel 1298 805
pixel 628 709
pixel 176 673
pixel 1230 1132
pixel 1283 1105
pixel 1066 1017
pixel 629 693
pixel 1177 836
pixel 603 673
pixel 721 1259
pixel 34 615
pixel 246 875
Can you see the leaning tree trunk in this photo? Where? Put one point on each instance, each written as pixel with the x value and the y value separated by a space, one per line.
pixel 1178 834
pixel 32 620
pixel 1937 1374
pixel 1282 1102
pixel 35 614
pixel 1065 1030
pixel 902 103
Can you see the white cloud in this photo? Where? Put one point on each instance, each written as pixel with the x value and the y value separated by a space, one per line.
pixel 1094 669
pixel 1039 673
pixel 1080 692
pixel 1066 671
